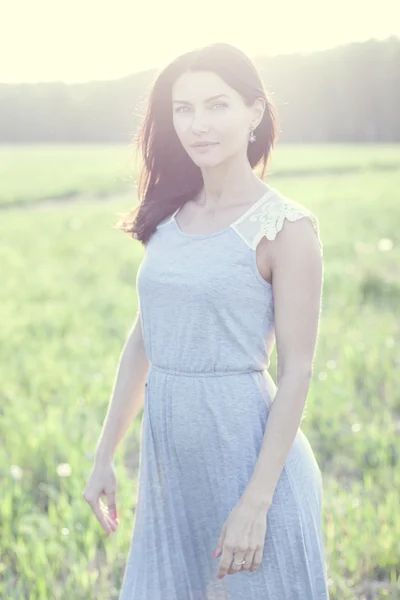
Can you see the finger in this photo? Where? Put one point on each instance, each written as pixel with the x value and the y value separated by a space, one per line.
pixel 104 509
pixel 220 542
pixel 221 539
pixel 258 554
pixel 112 504
pixel 238 557
pixel 101 517
pixel 249 561
pixel 225 562
pixel 113 524
pixel 235 568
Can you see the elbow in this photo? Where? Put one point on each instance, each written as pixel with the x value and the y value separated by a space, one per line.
pixel 300 376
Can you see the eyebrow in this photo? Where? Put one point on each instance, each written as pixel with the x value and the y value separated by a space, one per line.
pixel 206 100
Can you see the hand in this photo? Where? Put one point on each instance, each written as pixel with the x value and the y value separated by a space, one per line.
pixel 102 482
pixel 242 537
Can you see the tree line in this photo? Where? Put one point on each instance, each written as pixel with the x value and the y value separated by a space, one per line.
pixel 350 93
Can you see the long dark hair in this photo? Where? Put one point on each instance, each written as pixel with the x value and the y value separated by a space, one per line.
pixel 168 176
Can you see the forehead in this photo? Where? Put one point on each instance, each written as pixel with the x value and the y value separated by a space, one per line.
pixel 200 85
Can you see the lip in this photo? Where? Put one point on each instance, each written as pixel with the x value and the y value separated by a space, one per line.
pixel 203 144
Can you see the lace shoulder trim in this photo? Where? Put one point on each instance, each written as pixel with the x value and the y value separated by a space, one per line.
pixel 268 218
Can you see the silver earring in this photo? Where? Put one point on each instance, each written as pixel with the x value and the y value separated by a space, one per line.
pixel 252 136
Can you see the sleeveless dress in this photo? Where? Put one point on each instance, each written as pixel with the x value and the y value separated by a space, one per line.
pixel 208 326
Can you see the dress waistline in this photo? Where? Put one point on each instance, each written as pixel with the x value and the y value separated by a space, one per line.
pixel 203 373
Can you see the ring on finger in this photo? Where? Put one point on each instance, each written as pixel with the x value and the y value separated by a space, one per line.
pixel 239 563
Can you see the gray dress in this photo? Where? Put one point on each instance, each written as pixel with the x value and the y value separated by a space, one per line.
pixel 208 326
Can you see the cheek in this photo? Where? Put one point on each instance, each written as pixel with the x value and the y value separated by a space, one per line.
pixel 180 128
pixel 181 123
pixel 177 123
pixel 231 129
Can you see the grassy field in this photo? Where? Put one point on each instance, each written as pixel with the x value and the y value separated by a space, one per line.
pixel 31 174
pixel 67 301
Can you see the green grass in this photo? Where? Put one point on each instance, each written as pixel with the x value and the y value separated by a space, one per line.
pixel 30 174
pixel 67 301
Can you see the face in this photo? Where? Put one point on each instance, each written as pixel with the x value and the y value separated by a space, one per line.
pixel 206 109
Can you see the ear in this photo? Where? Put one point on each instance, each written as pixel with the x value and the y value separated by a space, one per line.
pixel 259 107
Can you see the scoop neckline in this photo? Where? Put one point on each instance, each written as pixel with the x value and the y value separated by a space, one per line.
pixel 268 192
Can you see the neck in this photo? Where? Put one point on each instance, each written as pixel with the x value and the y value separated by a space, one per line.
pixel 227 186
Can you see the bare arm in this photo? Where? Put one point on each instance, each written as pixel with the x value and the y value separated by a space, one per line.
pixel 297 287
pixel 128 394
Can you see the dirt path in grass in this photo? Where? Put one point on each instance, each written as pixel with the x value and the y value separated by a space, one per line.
pixel 46 204
pixel 129 196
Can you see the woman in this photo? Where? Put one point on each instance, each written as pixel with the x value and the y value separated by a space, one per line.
pixel 230 494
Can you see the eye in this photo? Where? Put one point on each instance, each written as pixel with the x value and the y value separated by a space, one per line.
pixel 223 104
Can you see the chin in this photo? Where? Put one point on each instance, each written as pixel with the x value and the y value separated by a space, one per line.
pixel 211 162
pixel 206 161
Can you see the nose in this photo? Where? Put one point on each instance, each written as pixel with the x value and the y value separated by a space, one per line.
pixel 199 123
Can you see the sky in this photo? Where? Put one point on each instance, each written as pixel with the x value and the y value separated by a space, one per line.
pixel 87 40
